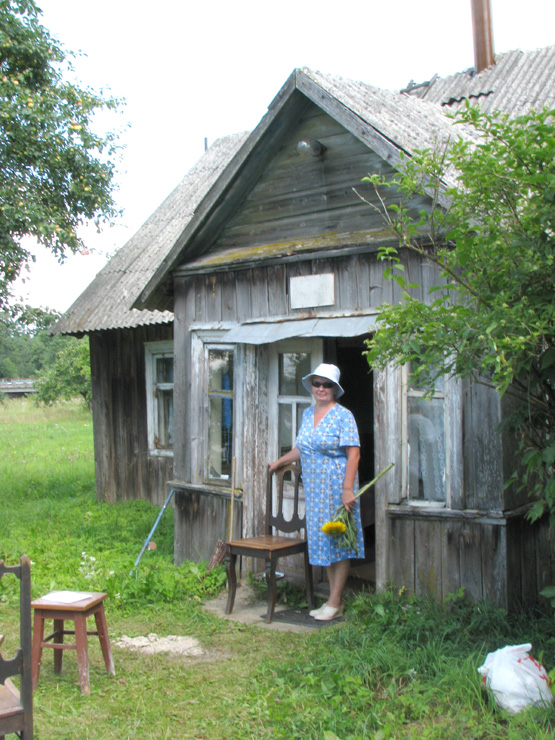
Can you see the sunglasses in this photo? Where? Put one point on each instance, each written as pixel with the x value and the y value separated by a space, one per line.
pixel 321 384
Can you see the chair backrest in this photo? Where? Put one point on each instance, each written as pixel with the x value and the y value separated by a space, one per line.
pixel 286 482
pixel 20 665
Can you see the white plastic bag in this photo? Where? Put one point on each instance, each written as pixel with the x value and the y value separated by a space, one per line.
pixel 515 678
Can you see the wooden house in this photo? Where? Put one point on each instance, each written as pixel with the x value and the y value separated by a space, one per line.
pixel 261 264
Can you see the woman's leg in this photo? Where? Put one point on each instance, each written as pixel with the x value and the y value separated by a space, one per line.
pixel 337 576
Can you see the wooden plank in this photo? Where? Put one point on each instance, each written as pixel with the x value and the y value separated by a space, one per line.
pixel 228 291
pixel 451 567
pixel 428 579
pixel 213 298
pixel 277 290
pixel 494 564
pixel 183 316
pixel 454 445
pixel 381 289
pixel 471 561
pixel 482 448
pixel 363 290
pixel 514 564
pixel 401 560
pixel 259 294
pixel 242 282
pixel 346 284
pixel 545 554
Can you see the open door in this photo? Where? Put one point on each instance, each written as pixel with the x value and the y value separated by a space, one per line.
pixel 358 381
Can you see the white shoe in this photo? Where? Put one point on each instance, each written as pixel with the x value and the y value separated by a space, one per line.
pixel 314 612
pixel 329 612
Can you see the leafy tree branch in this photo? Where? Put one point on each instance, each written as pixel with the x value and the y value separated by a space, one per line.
pixel 56 170
pixel 491 236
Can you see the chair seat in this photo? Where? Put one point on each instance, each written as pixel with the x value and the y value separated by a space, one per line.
pixel 267 542
pixel 10 702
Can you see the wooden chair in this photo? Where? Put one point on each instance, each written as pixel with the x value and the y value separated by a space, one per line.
pixel 16 706
pixel 272 546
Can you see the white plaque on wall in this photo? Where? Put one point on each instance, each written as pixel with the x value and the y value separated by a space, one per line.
pixel 309 291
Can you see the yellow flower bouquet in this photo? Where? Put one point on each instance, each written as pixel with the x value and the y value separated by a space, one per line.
pixel 343 525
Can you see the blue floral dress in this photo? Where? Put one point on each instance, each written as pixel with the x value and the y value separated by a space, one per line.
pixel 323 460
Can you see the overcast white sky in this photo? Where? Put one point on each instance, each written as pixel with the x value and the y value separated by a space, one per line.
pixel 190 71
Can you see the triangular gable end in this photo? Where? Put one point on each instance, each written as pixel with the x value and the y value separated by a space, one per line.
pixel 304 201
pixel 387 124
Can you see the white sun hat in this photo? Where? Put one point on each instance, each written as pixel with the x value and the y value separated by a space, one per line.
pixel 323 370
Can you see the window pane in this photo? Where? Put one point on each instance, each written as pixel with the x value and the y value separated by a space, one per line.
pixel 164 438
pixel 220 368
pixel 164 369
pixel 285 438
pixel 422 383
pixel 293 366
pixel 220 437
pixel 426 449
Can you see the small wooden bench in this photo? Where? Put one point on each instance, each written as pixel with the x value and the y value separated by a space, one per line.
pixel 61 606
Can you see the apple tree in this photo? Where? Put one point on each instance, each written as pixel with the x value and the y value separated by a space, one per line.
pixel 56 170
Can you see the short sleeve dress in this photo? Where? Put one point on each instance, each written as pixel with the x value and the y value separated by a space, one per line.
pixel 323 460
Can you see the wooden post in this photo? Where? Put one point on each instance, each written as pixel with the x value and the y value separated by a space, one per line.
pixel 232 506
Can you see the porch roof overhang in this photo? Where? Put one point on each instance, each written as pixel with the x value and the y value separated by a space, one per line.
pixel 270 331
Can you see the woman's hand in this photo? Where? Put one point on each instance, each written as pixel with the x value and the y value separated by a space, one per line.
pixel 353 456
pixel 348 498
pixel 290 457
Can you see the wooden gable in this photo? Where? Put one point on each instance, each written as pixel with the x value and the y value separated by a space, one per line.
pixel 300 196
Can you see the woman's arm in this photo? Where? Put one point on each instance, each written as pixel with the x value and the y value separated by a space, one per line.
pixel 290 457
pixel 353 457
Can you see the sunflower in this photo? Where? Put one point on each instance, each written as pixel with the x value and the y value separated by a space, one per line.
pixel 343 525
pixel 333 528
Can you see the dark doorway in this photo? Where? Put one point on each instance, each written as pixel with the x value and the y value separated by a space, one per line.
pixel 358 382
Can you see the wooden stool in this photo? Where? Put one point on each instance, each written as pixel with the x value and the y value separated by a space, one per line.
pixel 77 606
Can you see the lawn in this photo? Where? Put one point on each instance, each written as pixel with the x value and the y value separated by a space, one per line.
pixel 397 667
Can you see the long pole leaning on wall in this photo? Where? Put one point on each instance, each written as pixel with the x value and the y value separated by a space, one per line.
pixel 156 523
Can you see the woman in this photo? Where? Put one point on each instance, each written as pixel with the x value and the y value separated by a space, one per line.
pixel 329 450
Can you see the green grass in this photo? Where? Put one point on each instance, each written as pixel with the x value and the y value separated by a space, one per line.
pixel 398 667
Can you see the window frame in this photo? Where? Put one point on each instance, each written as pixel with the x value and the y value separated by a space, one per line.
pixel 209 346
pixel 154 351
pixel 408 391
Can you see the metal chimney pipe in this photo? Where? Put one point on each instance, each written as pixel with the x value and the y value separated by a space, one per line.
pixel 482 32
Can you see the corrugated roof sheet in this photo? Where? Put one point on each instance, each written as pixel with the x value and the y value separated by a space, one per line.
pixel 399 118
pixel 518 82
pixel 105 304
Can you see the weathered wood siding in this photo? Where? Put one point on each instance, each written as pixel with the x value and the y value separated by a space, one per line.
pixel 124 469
pixel 505 560
pixel 479 540
pixel 302 195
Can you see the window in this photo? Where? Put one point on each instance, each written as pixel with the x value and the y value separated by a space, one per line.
pixel 220 363
pixel 159 388
pixel 290 361
pixel 292 397
pixel 425 434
